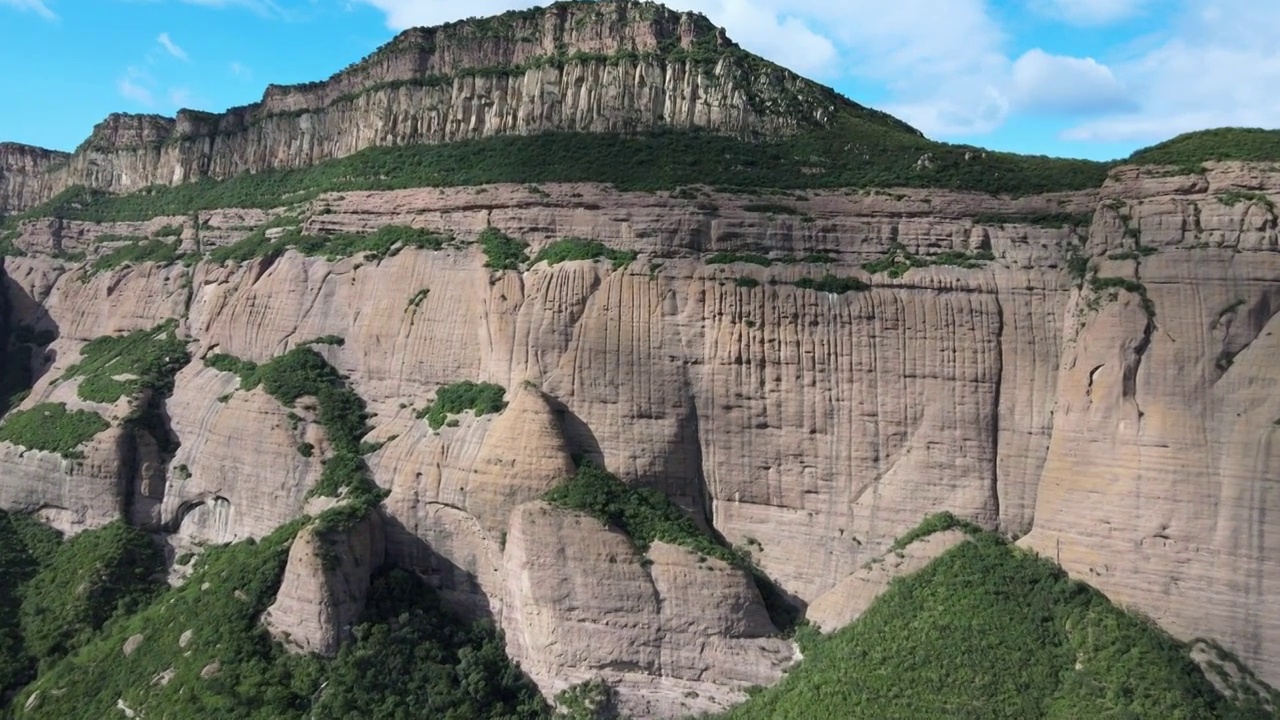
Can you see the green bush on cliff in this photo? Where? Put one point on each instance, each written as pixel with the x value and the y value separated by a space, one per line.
pixel 25 545
pixel 1190 150
pixel 51 428
pixel 989 630
pixel 832 284
pixel 386 241
pixel 575 248
pixel 502 251
pixel 479 398
pixel 115 366
pixel 134 251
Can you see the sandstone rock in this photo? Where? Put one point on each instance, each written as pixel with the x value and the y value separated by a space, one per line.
pixel 185 639
pixel 685 635
pixel 326 581
pixel 211 670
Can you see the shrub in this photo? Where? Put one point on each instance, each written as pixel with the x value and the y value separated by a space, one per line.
pixel 50 428
pixel 112 367
pixel 137 251
pixel 575 248
pixel 480 398
pixel 503 251
pixel 832 284
pixel 772 209
pixel 746 282
pixel 729 257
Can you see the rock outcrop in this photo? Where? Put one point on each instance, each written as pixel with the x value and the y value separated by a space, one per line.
pixel 614 66
pixel 1121 422
pixel 326 581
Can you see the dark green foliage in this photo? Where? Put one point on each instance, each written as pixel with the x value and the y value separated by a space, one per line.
pixel 746 282
pixel 1234 306
pixel 255 679
pixel 772 208
pixel 7 246
pixel 1191 150
pixel 1231 198
pixel 854 152
pixel 173 231
pixel 25 545
pixel 335 340
pixel 1042 219
pixel 385 242
pixel 941 522
pixel 591 700
pixel 898 260
pixel 136 251
pixel 95 576
pixel 480 398
pixel 49 427
pixel 1139 252
pixel 503 251
pixel 417 298
pixel 116 366
pixel 644 514
pixel 832 284
pixel 728 257
pixel 990 631
pixel 1078 264
pixel 304 372
pixel 413 660
pixel 575 248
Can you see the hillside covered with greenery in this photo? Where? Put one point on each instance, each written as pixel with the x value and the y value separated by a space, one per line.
pixel 991 631
pixel 1191 149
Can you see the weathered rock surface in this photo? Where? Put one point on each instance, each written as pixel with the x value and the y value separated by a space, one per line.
pixel 1135 450
pixel 613 66
pixel 326 581
pixel 686 634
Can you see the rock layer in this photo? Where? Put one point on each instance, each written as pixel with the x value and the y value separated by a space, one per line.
pixel 1128 439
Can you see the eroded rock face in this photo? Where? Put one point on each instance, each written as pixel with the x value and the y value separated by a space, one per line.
pixel 676 635
pixel 326 581
pixel 1134 449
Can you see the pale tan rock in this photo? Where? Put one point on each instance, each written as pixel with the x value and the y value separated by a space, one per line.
pixel 853 595
pixel 132 644
pixel 326 580
pixel 682 635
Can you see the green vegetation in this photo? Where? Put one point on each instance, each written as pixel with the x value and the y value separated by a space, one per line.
pixel 746 282
pixel 417 298
pixel 480 398
pixel 1231 198
pixel 49 427
pixel 832 284
pixel 590 700
pixel 940 522
pixel 335 340
pixel 854 152
pixel 304 372
pixel 991 631
pixel 1042 219
pixel 897 260
pixel 728 257
pixel 7 246
pixel 1105 284
pixel 576 248
pixel 772 208
pixel 95 576
pixel 116 366
pixel 385 242
pixel 134 251
pixel 1135 254
pixel 1190 150
pixel 503 251
pixel 173 231
pixel 81 602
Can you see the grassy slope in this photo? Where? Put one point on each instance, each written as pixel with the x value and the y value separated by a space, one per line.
pixel 990 631
pixel 1191 149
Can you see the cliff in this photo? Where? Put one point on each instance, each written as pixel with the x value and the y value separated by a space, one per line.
pixel 619 66
pixel 1099 391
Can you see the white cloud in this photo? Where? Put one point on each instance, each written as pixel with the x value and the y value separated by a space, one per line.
pixel 240 70
pixel 131 90
pixel 1213 68
pixel 1095 12
pixel 36 6
pixel 171 47
pixel 179 97
pixel 1061 85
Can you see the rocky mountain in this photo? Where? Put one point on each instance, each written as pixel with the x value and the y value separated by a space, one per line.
pixel 784 382
pixel 616 66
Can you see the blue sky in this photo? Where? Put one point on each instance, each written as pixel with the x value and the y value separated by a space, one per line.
pixel 1078 78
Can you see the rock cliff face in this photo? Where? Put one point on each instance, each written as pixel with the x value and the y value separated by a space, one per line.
pixel 1122 422
pixel 613 66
